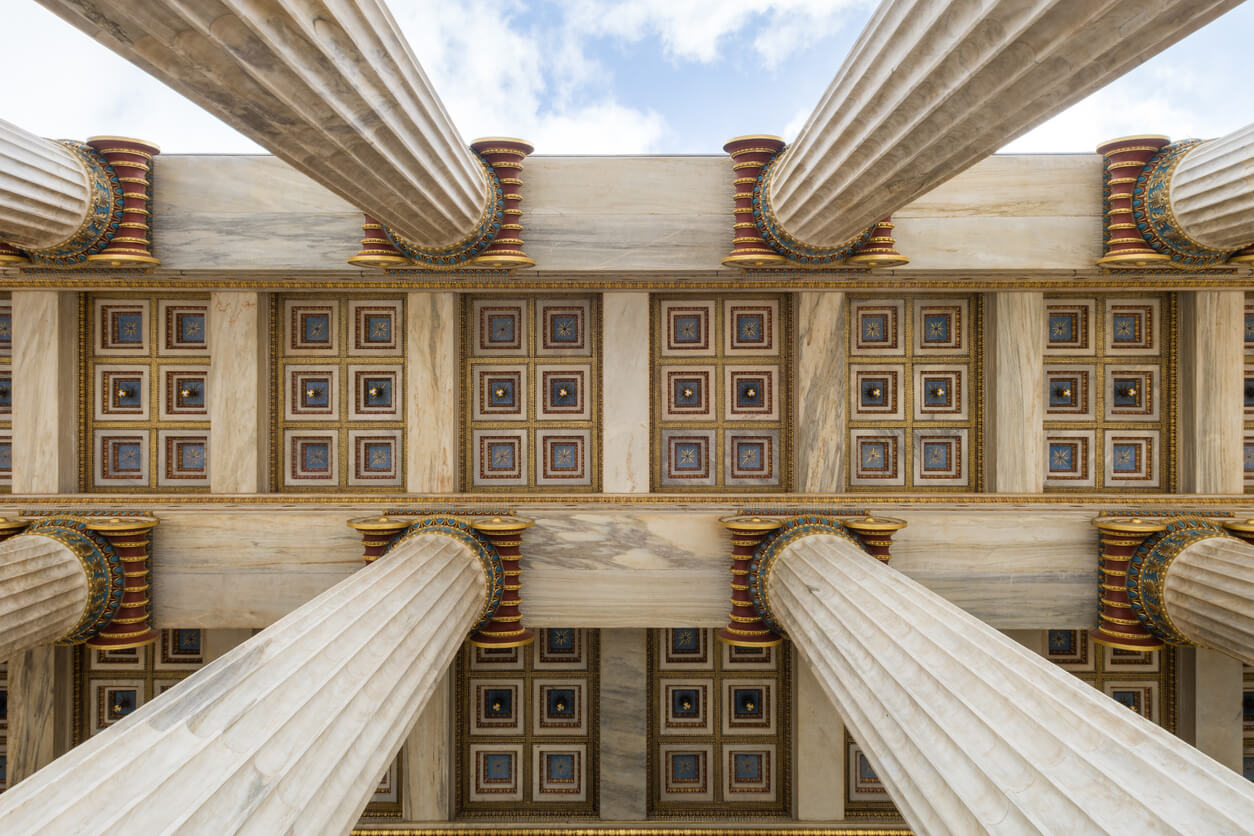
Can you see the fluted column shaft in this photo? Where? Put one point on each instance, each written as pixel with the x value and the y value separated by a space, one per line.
pixel 1209 592
pixel 287 733
pixel 44 194
pixel 930 89
pixel 329 86
pixel 1212 191
pixel 43 592
pixel 973 733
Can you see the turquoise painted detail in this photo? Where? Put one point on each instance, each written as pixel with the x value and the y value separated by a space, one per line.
pixel 469 247
pixel 480 547
pixel 103 214
pixel 1147 572
pixel 788 246
pixel 1151 210
pixel 102 565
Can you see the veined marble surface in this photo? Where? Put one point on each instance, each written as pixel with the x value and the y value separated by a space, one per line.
pixel 237 387
pixel 1212 419
pixel 821 376
pixel 624 725
pixel 431 375
pixel 45 391
pixel 625 375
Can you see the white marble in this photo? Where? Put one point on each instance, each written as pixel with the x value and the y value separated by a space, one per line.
pixel 624 725
pixel 822 411
pixel 44 194
pixel 929 89
pixel 1212 191
pixel 334 91
pixel 428 759
pixel 43 589
pixel 343 679
pixel 821 751
pixel 1015 438
pixel 1209 595
pixel 1212 377
pixel 239 413
pixel 38 709
pixel 973 733
pixel 624 393
pixel 431 386
pixel 1208 704
pixel 45 391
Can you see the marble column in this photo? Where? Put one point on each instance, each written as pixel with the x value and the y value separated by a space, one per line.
pixel 44 190
pixel 930 89
pixel 43 588
pixel 821 751
pixel 333 89
pixel 45 391
pixel 624 725
pixel 239 404
pixel 971 732
pixel 625 393
pixel 1208 705
pixel 343 677
pixel 426 794
pixel 1209 595
pixel 1212 376
pixel 1016 392
pixel 40 721
pixel 822 408
pixel 1212 191
pixel 431 379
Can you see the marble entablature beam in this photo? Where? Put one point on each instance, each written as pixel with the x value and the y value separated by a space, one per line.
pixel 929 89
pixel 331 88
pixel 969 731
pixel 345 677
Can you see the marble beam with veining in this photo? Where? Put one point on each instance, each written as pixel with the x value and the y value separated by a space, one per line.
pixel 929 89
pixel 1212 376
pixel 332 88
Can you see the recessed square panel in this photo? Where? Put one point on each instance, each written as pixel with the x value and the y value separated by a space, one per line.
pixel 940 325
pixel 686 328
pixel 751 457
pixel 495 772
pixel 559 772
pixel 6 328
pixel 1132 393
pixel 495 658
pixel 687 392
pixel 1248 456
pixel 182 458
pixel 500 327
pixel 184 327
pixel 498 706
pixel 748 706
pixel 113 700
pixel 1069 326
pixel 875 457
pixel 1069 458
pixel 875 327
pixel 375 393
pixel 940 458
pixel 500 393
pixel 310 457
pixel 686 457
pixel 562 392
pixel 125 659
pixel 312 393
pixel 559 707
pixel 1249 328
pixel 183 396
pixel 500 457
pixel 685 649
pixel 375 457
pixel 1069 649
pixel 751 393
pixel 864 783
pixel 311 326
pixel 560 648
pixel 1068 392
pixel 563 457
pixel 6 457
pixel 750 326
pixel 737 658
pixel 1132 458
pixel 121 326
pixel 375 326
pixel 1247 391
pixel 1140 695
pixel 685 772
pixel 562 327
pixel 121 457
pixel 876 392
pixel 1132 326
pixel 940 393
pixel 684 706
pixel 121 393
pixel 180 650
pixel 6 391
pixel 749 772
pixel 1117 660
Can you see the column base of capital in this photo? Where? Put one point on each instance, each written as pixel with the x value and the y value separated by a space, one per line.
pixel 379 261
pixel 104 641
pixel 1135 259
pixel 123 260
pixel 1137 645
pixel 502 262
pixel 764 259
pixel 769 640
pixel 482 640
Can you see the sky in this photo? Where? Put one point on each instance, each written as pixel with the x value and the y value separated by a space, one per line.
pixel 614 77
